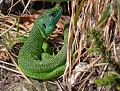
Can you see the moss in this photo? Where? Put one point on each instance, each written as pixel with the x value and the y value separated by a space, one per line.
pixel 107 80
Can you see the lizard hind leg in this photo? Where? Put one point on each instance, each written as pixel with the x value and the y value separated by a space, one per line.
pixel 46 56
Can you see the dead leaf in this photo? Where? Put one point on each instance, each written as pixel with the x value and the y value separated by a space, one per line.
pixel 81 67
pixel 28 20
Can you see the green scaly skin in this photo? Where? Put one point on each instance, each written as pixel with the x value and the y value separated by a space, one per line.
pixel 31 59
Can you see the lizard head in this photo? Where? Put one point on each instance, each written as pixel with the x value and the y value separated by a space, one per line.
pixel 49 19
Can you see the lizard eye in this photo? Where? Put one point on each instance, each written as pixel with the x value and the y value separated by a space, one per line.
pixel 53 14
pixel 44 25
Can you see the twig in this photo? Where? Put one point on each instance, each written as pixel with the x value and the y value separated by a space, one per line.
pixel 45 86
pixel 6 63
pixel 91 65
pixel 86 80
pixel 26 6
pixel 60 89
pixel 9 28
pixel 9 69
pixel 13 5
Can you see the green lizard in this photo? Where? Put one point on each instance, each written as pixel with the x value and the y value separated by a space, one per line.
pixel 31 59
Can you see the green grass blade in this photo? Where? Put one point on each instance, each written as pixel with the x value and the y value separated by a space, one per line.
pixel 105 15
